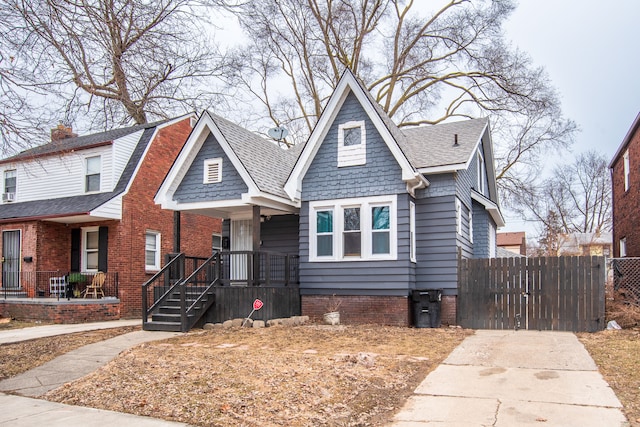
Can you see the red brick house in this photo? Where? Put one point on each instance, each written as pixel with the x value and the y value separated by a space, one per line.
pixel 85 204
pixel 625 177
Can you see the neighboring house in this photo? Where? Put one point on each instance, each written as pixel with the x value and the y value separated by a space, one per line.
pixel 515 242
pixel 373 211
pixel 585 244
pixel 85 204
pixel 625 177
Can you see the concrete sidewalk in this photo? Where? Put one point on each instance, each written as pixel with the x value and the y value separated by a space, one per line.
pixel 509 378
pixel 25 334
pixel 19 410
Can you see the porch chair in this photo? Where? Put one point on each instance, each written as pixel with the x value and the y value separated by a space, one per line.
pixel 57 285
pixel 96 286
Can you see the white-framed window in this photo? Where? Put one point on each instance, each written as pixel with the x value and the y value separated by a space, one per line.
pixel 212 171
pixel 458 216
pixel 90 248
pixel 627 170
pixel 324 232
pixel 10 185
pixel 623 247
pixel 481 171
pixel 353 229
pixel 92 174
pixel 412 231
pixel 352 144
pixel 152 250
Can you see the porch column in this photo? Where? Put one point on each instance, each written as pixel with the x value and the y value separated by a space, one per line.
pixel 256 245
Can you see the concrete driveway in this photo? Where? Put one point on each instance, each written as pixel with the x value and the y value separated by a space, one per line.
pixel 514 378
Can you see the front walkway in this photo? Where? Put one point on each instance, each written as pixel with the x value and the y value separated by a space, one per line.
pixel 508 378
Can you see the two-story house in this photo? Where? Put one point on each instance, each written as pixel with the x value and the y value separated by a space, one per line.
pixel 625 177
pixel 85 204
pixel 373 211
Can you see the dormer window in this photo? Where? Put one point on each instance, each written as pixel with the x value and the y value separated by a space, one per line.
pixel 352 144
pixel 92 175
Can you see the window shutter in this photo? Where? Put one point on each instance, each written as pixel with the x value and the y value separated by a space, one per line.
pixel 75 249
pixel 103 238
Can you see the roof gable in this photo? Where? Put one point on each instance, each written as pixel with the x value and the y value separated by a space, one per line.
pixel 383 124
pixel 263 174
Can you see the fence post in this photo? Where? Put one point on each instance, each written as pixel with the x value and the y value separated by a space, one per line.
pixel 287 273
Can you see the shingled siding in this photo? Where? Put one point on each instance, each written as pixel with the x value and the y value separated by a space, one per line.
pixel 481 231
pixel 279 233
pixel 436 247
pixel 380 175
pixel 192 189
pixel 379 278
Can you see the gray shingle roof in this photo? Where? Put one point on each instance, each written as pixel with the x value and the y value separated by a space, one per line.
pixel 78 143
pixel 78 205
pixel 431 146
pixel 268 164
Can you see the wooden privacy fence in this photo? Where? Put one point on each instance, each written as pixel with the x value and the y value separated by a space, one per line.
pixel 548 293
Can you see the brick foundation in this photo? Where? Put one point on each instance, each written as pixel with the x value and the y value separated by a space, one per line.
pixel 61 311
pixel 380 310
pixel 448 310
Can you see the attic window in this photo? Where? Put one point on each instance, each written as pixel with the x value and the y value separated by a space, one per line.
pixel 212 171
pixel 352 144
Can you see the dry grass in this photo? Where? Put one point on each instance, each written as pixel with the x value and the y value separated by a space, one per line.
pixel 6 324
pixel 19 357
pixel 616 354
pixel 293 376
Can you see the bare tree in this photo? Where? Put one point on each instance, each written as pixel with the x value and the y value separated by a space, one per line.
pixel 422 68
pixel 113 61
pixel 575 199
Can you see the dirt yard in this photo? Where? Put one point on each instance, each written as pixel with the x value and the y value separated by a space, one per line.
pixel 294 376
pixel 617 354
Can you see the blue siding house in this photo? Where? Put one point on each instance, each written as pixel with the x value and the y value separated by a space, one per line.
pixel 374 212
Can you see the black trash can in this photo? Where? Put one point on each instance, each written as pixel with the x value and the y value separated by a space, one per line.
pixel 426 307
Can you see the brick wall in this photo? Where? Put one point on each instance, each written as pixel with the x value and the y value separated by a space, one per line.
pixel 60 311
pixel 382 310
pixel 448 311
pixel 626 204
pixel 140 214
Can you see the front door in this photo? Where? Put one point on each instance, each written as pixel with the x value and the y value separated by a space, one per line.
pixel 242 242
pixel 11 259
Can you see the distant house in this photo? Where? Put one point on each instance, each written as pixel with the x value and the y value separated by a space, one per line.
pixel 373 211
pixel 515 242
pixel 625 175
pixel 85 204
pixel 585 244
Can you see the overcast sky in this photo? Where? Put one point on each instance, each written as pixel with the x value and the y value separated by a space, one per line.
pixel 591 53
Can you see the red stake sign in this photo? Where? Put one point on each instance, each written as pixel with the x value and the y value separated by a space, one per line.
pixel 257 305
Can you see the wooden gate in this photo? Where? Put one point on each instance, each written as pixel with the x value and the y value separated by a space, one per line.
pixel 550 293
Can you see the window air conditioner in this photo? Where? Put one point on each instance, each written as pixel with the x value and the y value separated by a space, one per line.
pixel 8 197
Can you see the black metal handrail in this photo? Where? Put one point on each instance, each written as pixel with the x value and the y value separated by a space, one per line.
pixel 169 275
pixel 195 298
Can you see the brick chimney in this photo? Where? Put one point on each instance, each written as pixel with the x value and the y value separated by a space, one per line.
pixel 62 132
